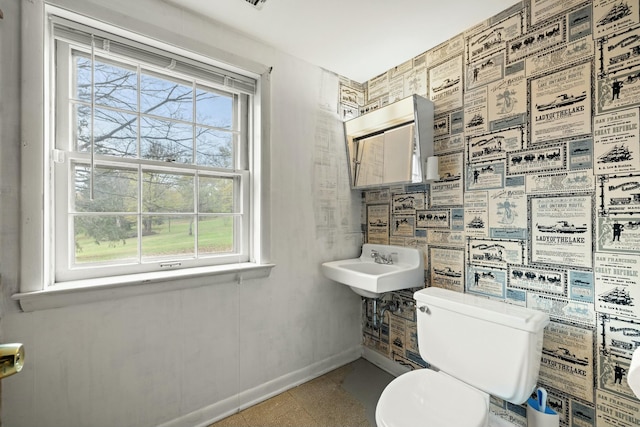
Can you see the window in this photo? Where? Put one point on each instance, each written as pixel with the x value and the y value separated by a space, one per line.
pixel 151 166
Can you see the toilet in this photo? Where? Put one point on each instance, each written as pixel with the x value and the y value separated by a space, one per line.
pixel 475 348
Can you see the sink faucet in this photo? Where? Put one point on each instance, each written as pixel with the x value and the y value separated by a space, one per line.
pixel 382 258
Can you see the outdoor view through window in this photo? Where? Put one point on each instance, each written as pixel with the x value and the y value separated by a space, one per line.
pixel 152 164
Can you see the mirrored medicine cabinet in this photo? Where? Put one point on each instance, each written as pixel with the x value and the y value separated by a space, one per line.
pixel 392 145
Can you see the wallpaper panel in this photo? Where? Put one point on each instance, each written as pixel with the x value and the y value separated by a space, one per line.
pixel 538 202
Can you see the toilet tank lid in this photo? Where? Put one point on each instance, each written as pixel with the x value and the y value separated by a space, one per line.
pixel 483 308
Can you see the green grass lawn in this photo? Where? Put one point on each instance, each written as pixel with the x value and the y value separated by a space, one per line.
pixel 170 238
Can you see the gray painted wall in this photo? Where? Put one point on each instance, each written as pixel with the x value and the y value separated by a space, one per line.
pixel 188 356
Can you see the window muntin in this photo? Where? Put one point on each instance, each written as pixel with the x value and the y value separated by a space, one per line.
pixel 168 168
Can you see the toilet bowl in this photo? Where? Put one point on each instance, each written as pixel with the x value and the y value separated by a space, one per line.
pixel 476 348
pixel 433 398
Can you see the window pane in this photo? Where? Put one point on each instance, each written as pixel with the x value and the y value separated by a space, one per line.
pixel 166 98
pixel 214 148
pixel 215 195
pixel 115 132
pixel 166 192
pixel 114 189
pixel 214 109
pixel 166 236
pixel 215 234
pixel 166 141
pixel 82 115
pixel 82 68
pixel 115 85
pixel 171 152
pixel 105 238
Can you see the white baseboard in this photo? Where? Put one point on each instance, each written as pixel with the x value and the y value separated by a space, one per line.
pixel 383 362
pixel 224 408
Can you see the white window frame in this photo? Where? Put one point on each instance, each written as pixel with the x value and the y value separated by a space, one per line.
pixel 63 179
pixel 38 287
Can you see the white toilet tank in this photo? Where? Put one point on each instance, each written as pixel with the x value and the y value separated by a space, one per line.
pixel 490 345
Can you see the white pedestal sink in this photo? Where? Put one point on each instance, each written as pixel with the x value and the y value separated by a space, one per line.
pixel 371 275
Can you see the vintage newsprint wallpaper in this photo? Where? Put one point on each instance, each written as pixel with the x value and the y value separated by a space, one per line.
pixel 537 114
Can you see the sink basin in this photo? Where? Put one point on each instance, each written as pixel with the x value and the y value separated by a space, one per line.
pixel 372 279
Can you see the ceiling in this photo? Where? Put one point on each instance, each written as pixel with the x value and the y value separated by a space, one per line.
pixel 358 39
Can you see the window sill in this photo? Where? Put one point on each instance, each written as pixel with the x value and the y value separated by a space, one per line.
pixel 87 291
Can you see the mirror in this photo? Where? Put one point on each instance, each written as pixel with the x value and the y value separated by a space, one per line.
pixel 384 148
pixel 385 157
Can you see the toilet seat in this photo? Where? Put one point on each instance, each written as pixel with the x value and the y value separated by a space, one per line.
pixel 428 398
